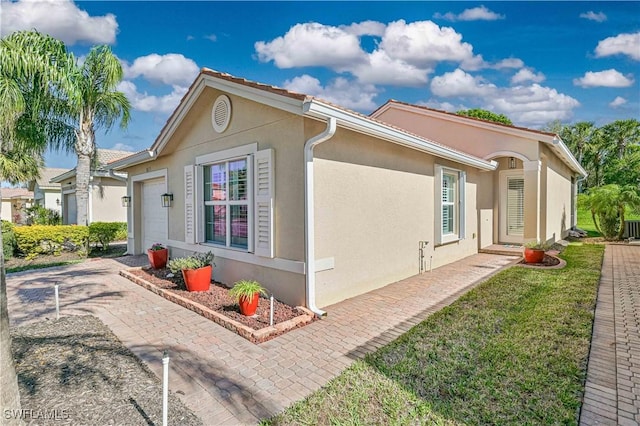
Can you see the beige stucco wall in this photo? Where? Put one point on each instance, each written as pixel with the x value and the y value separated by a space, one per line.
pixel 106 200
pixel 374 203
pixel 558 197
pixel 250 123
pixel 50 197
pixel 6 210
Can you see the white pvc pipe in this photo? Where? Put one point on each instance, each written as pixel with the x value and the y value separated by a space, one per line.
pixel 271 312
pixel 310 258
pixel 165 387
pixel 55 288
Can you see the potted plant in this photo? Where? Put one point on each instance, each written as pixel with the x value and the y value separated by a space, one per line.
pixel 157 255
pixel 534 251
pixel 247 293
pixel 196 270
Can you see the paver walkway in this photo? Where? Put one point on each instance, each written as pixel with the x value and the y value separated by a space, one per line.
pixel 612 392
pixel 224 378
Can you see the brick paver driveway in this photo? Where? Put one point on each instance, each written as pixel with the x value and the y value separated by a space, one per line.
pixel 221 376
pixel 612 393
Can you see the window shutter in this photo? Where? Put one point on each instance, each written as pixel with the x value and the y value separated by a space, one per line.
pixel 515 206
pixel 462 216
pixel 189 204
pixel 199 204
pixel 264 194
pixel 438 204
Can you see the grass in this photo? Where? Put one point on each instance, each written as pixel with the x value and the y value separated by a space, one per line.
pixel 511 351
pixel 586 222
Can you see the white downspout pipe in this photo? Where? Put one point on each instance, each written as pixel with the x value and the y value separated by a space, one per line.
pixel 309 224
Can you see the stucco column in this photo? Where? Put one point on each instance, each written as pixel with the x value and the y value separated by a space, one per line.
pixel 531 200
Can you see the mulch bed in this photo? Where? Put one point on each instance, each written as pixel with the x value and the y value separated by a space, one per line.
pixel 222 308
pixel 75 371
pixel 548 261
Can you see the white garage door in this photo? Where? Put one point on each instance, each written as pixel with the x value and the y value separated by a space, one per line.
pixel 154 216
pixel 70 209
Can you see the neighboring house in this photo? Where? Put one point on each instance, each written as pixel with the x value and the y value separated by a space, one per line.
pixel 317 202
pixel 106 190
pixel 534 187
pixel 45 193
pixel 14 203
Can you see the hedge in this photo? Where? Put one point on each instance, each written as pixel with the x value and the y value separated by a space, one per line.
pixel 47 239
pixel 104 233
pixel 8 239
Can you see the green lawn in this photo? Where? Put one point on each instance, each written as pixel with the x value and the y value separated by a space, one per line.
pixel 586 222
pixel 511 351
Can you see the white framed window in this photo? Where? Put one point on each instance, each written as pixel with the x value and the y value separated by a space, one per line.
pixel 227 203
pixel 450 208
pixel 229 200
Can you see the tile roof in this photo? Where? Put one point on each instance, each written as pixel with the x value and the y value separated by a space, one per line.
pixel 16 193
pixel 49 173
pixel 394 101
pixel 106 156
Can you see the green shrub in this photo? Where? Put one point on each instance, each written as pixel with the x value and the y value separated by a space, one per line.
pixel 8 239
pixel 45 239
pixel 40 215
pixel 104 233
pixel 194 261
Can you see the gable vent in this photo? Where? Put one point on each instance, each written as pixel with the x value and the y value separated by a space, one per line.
pixel 221 114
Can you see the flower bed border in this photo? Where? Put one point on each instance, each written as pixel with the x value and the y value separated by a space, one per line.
pixel 254 336
pixel 562 263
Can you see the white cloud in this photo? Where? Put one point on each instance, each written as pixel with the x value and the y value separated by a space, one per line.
pixel 593 16
pixel 480 13
pixel 381 69
pixel 442 106
pixel 211 37
pixel 372 28
pixel 607 78
pixel 312 44
pixel 122 147
pixel 526 105
pixel 459 83
pixel 424 44
pixel 618 101
pixel 340 91
pixel 526 74
pixel 61 19
pixel 625 44
pixel 508 63
pixel 151 103
pixel 171 68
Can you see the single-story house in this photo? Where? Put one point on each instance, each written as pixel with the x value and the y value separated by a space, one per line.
pixel 317 202
pixel 534 186
pixel 14 203
pixel 45 193
pixel 106 189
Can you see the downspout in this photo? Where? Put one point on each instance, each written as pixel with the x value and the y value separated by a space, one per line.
pixel 309 224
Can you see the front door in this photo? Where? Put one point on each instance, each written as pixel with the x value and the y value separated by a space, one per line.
pixel 511 206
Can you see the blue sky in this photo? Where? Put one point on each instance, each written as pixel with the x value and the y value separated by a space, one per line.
pixel 532 61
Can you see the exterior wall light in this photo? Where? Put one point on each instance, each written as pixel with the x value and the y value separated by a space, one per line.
pixel 512 163
pixel 57 201
pixel 126 201
pixel 167 199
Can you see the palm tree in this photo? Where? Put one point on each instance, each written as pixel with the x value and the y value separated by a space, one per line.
pixel 93 102
pixel 33 70
pixel 608 204
pixel 622 134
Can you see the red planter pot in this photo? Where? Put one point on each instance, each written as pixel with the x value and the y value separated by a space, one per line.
pixel 158 258
pixel 248 308
pixel 197 279
pixel 533 255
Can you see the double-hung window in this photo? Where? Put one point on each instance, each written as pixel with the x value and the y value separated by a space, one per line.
pixel 227 203
pixel 229 198
pixel 450 213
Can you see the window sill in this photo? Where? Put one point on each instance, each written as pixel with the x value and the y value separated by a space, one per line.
pixel 448 241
